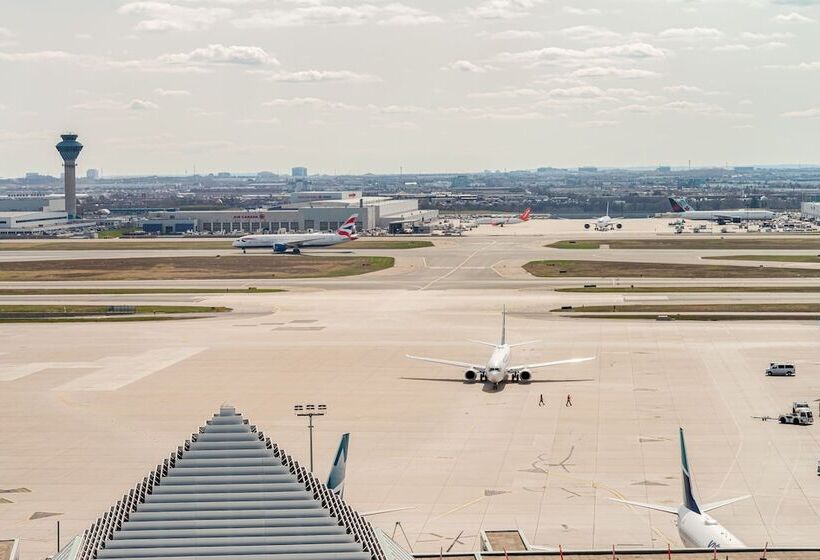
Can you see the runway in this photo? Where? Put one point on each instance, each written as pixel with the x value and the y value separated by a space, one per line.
pixel 89 409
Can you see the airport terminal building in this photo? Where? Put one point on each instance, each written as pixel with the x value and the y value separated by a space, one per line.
pixel 32 214
pixel 810 210
pixel 306 211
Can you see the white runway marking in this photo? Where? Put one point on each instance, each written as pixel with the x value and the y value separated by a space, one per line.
pixel 119 371
pixel 12 372
pixel 465 261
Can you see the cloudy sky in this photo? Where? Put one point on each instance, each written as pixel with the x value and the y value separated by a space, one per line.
pixel 428 85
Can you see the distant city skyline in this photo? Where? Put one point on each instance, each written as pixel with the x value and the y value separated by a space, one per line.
pixel 344 87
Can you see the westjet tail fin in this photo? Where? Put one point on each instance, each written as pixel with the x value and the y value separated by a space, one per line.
pixel 336 478
pixel 689 500
pixel 348 229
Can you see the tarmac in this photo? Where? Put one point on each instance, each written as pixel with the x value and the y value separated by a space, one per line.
pixel 90 408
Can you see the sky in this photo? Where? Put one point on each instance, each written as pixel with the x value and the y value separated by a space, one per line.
pixel 340 86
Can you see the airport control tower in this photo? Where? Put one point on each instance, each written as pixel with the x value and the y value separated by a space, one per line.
pixel 69 149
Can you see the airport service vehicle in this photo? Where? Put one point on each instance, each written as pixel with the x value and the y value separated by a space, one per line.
pixel 697 529
pixel 800 415
pixel 683 210
pixel 781 369
pixel 605 223
pixel 498 368
pixel 282 242
pixel 502 221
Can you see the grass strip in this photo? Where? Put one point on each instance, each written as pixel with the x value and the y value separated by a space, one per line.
pixel 694 243
pixel 623 269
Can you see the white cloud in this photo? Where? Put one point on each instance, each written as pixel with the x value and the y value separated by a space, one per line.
pixel 749 36
pixel 814 65
pixel 503 9
pixel 163 16
pixel 581 11
pixel 318 13
pixel 141 105
pixel 172 92
pixel 564 56
pixel 516 34
pixel 814 112
pixel 691 34
pixel 792 17
pixel 465 66
pixel 221 54
pixel 311 102
pixel 613 72
pixel 591 33
pixel 506 94
pixel 303 76
pixel 39 56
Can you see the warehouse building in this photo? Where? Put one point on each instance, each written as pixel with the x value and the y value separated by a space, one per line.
pixel 316 212
pixel 810 210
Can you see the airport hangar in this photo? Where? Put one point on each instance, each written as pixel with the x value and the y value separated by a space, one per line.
pixel 29 214
pixel 306 211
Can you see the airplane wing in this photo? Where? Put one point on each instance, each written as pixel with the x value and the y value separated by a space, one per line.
pixel 656 507
pixel 516 369
pixel 449 363
pixel 715 505
pixel 381 511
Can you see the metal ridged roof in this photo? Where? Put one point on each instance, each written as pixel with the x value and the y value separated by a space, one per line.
pixel 230 493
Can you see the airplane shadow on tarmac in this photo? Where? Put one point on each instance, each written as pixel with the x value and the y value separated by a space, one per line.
pixel 488 387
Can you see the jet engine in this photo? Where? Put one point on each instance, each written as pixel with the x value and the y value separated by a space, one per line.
pixel 619 226
pixel 524 375
pixel 280 247
pixel 586 226
pixel 470 375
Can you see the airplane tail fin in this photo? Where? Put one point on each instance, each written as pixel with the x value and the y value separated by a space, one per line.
pixel 504 325
pixel 680 205
pixel 348 229
pixel 336 478
pixel 525 215
pixel 689 499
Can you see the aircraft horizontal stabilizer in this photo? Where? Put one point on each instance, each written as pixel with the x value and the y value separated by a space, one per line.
pixel 656 507
pixel 491 344
pixel 517 344
pixel 715 505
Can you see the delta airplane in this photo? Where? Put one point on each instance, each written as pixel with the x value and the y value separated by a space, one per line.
pixel 497 369
pixel 282 242
pixel 502 221
pixel 605 223
pixel 696 528
pixel 683 210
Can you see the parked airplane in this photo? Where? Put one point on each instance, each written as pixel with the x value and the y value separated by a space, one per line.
pixel 281 242
pixel 502 221
pixel 497 368
pixel 682 209
pixel 696 528
pixel 605 223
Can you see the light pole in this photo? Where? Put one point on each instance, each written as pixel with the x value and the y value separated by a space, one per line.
pixel 310 410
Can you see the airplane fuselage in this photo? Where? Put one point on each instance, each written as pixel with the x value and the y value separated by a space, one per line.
pixel 496 371
pixel 303 239
pixel 701 530
pixel 725 215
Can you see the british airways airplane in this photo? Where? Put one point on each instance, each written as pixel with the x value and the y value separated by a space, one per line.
pixel 282 242
pixel 697 529
pixel 498 368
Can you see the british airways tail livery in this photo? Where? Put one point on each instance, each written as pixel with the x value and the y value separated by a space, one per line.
pixel 697 529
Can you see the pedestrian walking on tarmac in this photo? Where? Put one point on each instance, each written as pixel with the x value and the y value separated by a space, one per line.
pixel 541 401
pixel 569 401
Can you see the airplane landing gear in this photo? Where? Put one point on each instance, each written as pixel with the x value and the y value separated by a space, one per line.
pixel 296 251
